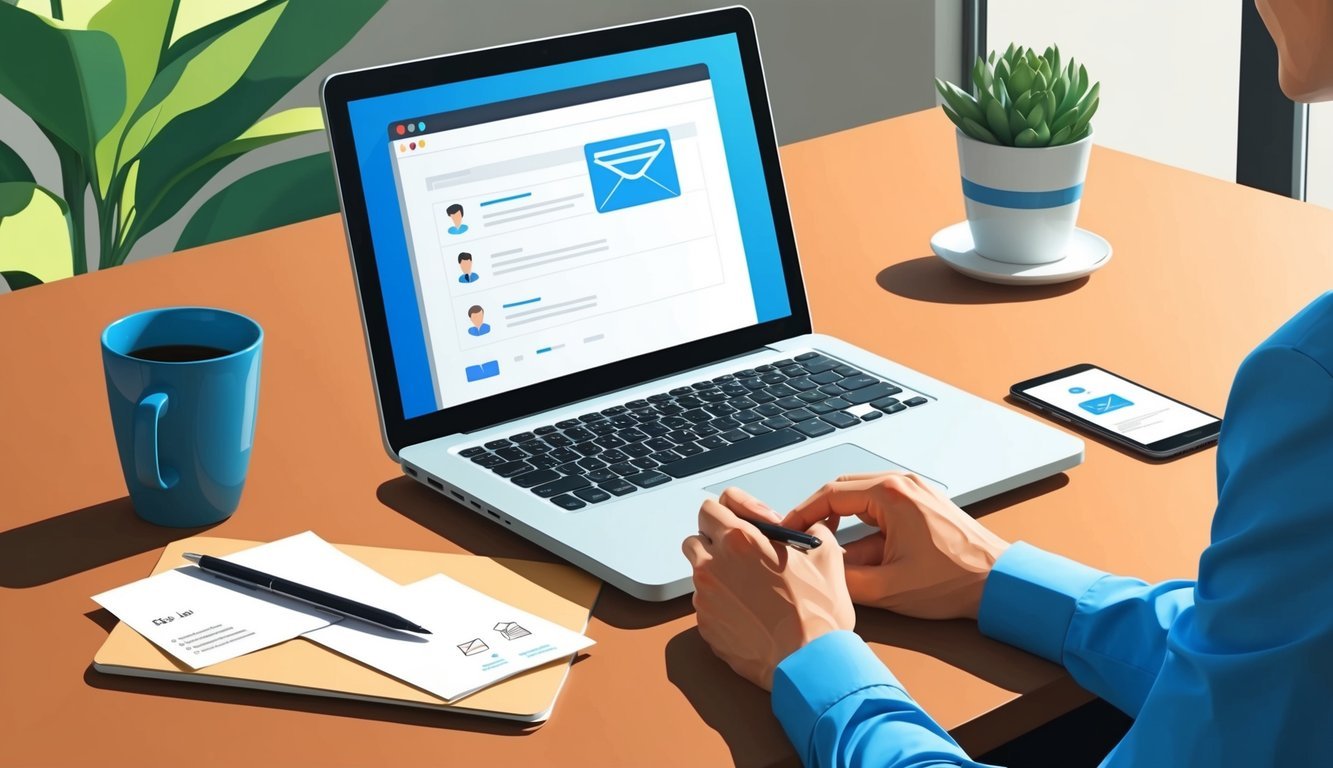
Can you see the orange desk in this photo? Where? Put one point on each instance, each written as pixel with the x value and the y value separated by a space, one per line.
pixel 1202 271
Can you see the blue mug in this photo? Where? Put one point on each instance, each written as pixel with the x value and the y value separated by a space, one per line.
pixel 184 386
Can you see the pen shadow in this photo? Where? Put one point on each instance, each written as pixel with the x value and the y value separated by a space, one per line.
pixel 1010 399
pixel 71 543
pixel 929 279
pixel 476 535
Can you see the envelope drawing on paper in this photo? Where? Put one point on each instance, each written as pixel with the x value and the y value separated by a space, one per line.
pixel 473 647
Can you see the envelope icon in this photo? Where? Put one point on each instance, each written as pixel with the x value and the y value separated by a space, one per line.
pixel 1104 404
pixel 632 170
pixel 473 647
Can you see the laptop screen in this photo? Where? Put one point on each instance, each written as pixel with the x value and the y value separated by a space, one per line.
pixel 544 222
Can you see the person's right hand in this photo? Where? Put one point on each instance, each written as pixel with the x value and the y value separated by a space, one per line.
pixel 929 559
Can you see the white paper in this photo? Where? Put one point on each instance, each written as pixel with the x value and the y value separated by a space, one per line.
pixel 202 619
pixel 476 640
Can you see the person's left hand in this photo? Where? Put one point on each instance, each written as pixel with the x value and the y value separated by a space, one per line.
pixel 758 602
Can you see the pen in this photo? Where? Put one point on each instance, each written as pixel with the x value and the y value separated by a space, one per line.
pixel 317 597
pixel 795 539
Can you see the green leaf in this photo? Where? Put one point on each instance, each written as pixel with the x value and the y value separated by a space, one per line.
pixel 1060 137
pixel 17 279
pixel 1001 92
pixel 71 82
pixel 15 196
pixel 12 167
pixel 1017 122
pixel 960 102
pixel 282 194
pixel 1024 102
pixel 140 29
pixel 1038 114
pixel 1003 71
pixel 981 77
pixel 1050 105
pixel 1043 134
pixel 1021 81
pixel 953 116
pixel 978 131
pixel 36 240
pixel 1026 138
pixel 998 122
pixel 1085 116
pixel 1065 120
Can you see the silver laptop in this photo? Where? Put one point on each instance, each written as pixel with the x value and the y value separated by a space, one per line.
pixel 583 303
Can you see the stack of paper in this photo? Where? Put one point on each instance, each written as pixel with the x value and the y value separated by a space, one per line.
pixel 476 640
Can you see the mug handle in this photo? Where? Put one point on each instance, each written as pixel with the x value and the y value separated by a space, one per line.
pixel 146 464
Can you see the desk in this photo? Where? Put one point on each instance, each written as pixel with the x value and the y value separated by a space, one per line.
pixel 1202 271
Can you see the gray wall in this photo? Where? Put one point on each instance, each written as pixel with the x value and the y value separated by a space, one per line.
pixel 830 64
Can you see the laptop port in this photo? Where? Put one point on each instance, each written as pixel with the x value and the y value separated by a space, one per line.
pixel 436 484
pixel 409 470
pixel 457 495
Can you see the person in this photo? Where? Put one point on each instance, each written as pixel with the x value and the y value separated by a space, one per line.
pixel 477 316
pixel 1234 669
pixel 465 264
pixel 455 214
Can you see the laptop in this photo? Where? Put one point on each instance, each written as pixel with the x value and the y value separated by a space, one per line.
pixel 583 304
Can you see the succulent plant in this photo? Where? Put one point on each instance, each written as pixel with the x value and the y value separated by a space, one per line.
pixel 1024 99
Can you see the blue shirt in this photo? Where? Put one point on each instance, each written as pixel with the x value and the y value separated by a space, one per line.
pixel 1235 669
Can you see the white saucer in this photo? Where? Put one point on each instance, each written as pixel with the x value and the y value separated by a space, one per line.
pixel 1087 253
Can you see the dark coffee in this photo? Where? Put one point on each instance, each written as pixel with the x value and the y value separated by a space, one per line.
pixel 178 353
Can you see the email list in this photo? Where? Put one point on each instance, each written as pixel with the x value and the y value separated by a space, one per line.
pixel 556 240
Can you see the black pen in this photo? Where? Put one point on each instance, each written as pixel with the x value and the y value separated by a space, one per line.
pixel 317 597
pixel 795 539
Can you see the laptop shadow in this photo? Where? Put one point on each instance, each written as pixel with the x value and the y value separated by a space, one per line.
pixel 929 279
pixel 71 543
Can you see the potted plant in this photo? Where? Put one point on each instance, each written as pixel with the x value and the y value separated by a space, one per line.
pixel 1024 137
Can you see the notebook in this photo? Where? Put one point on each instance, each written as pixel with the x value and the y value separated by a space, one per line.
pixel 556 592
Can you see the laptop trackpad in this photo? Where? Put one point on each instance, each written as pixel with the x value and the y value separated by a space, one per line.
pixel 783 486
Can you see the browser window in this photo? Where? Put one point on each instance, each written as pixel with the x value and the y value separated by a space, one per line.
pixel 560 231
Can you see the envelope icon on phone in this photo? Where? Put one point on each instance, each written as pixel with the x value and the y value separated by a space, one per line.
pixel 1104 404
pixel 632 170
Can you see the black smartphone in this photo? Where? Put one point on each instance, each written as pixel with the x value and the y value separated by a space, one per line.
pixel 1121 411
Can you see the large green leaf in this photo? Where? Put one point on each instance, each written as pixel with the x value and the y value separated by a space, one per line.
pixel 140 29
pixel 15 196
pixel 12 167
pixel 71 82
pixel 306 34
pixel 16 279
pixel 282 194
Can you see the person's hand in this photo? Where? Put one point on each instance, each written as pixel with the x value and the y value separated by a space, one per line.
pixel 929 559
pixel 759 602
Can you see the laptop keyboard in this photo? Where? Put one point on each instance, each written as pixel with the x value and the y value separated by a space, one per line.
pixel 691 429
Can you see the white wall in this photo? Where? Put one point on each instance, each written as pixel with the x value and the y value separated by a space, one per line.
pixel 1170 71
pixel 1319 161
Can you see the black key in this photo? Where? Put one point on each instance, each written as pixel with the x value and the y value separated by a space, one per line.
pixel 724 378
pixel 592 495
pixel 522 437
pixel 696 415
pixel 610 456
pixel 666 457
pixel 789 403
pixel 762 397
pixel 501 443
pixel 790 370
pixel 619 487
pixel 858 381
pixel 813 396
pixel 719 409
pixel 837 403
pixel 783 362
pixel 703 385
pixel 564 455
pixel 614 410
pixel 655 428
pixel 542 462
pixel 675 422
pixel 868 394
pixel 681 436
pixel 567 423
pixel 468 453
pixel 566 501
pixel 734 452
pixel 659 444
pixel 644 462
pixel 871 416
pixel 557 440
pixel 764 368
pixel 725 422
pixel 487 460
pixel 704 430
pixel 914 402
pixel 571 468
pixel 814 428
pixel 669 409
pixel 807 356
pixel 820 365
pixel 660 397
pixel 649 479
pixel 780 390
pixel 529 479
pixel 832 389
pixel 847 370
pixel 678 391
pixel 756 429
pixel 820 409
pixel 713 442
pixel 512 453
pixel 741 403
pixel 799 414
pixel 801 384
pixel 624 421
pixel 563 485
pixel 735 435
pixel 631 435
pixel 689 402
pixel 546 430
pixel 602 428
pixel 511 468
pixel 827 377
pixel 578 434
pixel 589 418
pixel 690 449
pixel 610 441
pixel 624 468
pixel 773 378
pixel 748 373
pixel 588 449
pixel 591 463
pixel 635 450
pixel 714 396
pixel 840 419
pixel 895 408
pixel 753 383
pixel 777 422
pixel 769 409
pixel 536 447
pixel 884 402
pixel 747 417
pixel 635 405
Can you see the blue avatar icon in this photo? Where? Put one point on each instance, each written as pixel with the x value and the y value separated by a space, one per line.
pixel 632 170
pixel 477 316
pixel 455 214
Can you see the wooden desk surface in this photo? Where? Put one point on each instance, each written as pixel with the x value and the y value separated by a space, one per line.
pixel 1202 271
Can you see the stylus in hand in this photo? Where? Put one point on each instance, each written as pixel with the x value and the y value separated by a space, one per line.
pixel 309 595
pixel 795 539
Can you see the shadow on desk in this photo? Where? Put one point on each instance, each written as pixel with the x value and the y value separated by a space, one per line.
pixel 61 546
pixel 472 533
pixel 929 279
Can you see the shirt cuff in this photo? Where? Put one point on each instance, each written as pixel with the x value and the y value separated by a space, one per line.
pixel 1030 597
pixel 811 680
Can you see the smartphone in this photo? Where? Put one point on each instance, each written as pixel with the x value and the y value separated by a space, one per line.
pixel 1119 410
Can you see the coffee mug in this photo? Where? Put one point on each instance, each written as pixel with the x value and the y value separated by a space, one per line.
pixel 183 383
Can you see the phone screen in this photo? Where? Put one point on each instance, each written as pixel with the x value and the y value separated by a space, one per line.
pixel 1119 405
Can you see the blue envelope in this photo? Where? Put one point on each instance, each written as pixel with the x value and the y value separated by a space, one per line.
pixel 1104 404
pixel 632 170
pixel 483 371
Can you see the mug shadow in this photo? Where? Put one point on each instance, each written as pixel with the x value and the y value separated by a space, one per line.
pixel 477 535
pixel 62 546
pixel 929 279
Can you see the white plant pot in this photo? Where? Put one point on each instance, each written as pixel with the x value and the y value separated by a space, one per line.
pixel 1022 203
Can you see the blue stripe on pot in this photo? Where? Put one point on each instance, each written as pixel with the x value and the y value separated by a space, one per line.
pixel 1005 198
